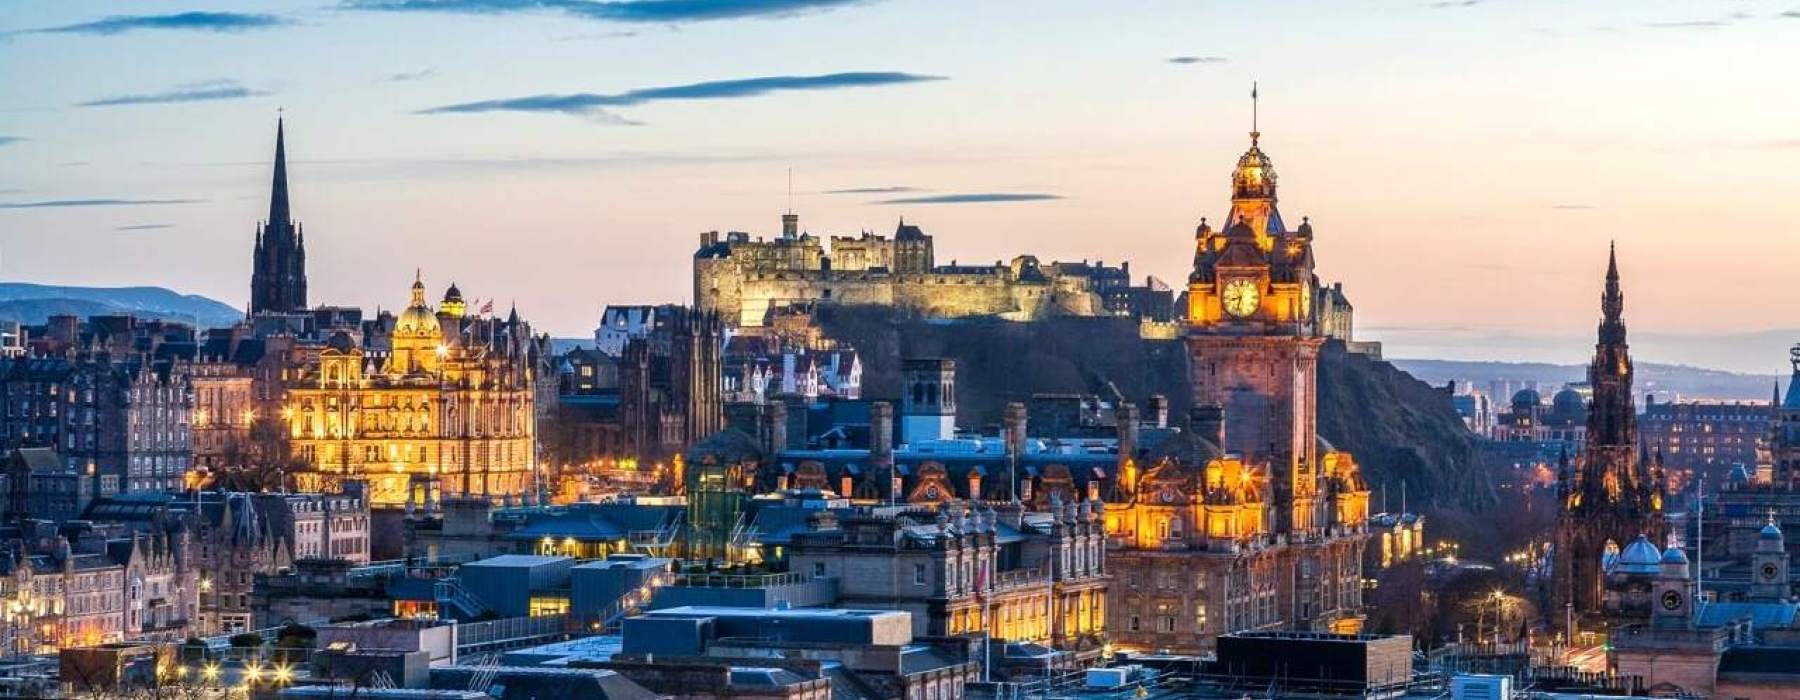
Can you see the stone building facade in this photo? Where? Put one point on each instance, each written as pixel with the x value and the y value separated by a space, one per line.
pixel 744 279
pixel 224 410
pixel 449 401
pixel 124 417
pixel 1251 520
pixel 970 567
pixel 93 588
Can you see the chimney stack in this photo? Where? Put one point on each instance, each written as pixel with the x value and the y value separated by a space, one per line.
pixel 1208 421
pixel 1159 411
pixel 1127 418
pixel 1013 429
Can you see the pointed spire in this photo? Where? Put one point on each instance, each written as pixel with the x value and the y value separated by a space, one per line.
pixel 278 197
pixel 1612 301
pixel 1255 133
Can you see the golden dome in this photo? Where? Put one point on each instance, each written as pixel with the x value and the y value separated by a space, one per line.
pixel 418 320
pixel 1255 174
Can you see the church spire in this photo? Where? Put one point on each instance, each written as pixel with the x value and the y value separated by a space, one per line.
pixel 278 277
pixel 1612 301
pixel 1610 417
pixel 278 194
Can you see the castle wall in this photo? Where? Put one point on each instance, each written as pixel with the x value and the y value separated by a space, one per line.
pixel 743 280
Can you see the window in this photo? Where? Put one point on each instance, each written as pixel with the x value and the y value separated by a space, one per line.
pixel 818 569
pixel 1134 624
pixel 1165 623
pixel 918 574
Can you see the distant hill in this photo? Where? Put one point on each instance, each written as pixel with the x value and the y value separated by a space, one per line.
pixel 1688 382
pixel 33 303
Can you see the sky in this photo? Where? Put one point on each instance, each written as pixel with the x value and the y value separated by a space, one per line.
pixel 1464 163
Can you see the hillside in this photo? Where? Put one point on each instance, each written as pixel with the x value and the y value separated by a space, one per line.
pixel 32 303
pixel 1398 427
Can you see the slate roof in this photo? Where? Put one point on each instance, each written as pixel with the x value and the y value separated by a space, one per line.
pixel 1761 615
pixel 1781 661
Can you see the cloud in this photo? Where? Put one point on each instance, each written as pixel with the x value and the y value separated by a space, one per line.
pixel 184 21
pixel 191 92
pixel 1789 14
pixel 1189 60
pixel 1448 4
pixel 411 76
pixel 1688 24
pixel 1572 207
pixel 973 198
pixel 144 227
pixel 595 105
pixel 5 140
pixel 98 202
pixel 1777 144
pixel 895 189
pixel 647 11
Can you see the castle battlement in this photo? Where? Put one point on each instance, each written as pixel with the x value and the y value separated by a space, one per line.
pixel 743 278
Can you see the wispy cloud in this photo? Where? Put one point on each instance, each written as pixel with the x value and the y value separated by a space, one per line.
pixel 1688 24
pixel 648 11
pixel 1190 60
pixel 1789 14
pixel 973 198
pixel 1572 207
pixel 411 76
pixel 894 189
pixel 595 105
pixel 1776 144
pixel 1449 4
pixel 191 92
pixel 144 227
pixel 4 140
pixel 97 202
pixel 182 21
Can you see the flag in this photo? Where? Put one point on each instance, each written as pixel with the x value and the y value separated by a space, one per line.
pixel 487 308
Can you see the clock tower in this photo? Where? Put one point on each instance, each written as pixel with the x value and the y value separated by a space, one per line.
pixel 1672 593
pixel 1769 564
pixel 1252 341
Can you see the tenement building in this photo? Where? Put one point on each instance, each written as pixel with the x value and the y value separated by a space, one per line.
pixel 1613 491
pixel 1256 522
pixel 123 418
pixel 1708 436
pixel 743 279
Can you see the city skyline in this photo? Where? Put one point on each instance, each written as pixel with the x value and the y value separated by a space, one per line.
pixel 588 141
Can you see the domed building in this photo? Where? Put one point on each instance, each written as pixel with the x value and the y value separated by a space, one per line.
pixel 417 405
pixel 1630 576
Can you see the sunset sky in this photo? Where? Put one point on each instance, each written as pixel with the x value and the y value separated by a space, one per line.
pixel 1464 163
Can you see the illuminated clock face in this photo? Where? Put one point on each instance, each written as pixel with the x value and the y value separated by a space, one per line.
pixel 1769 571
pixel 1671 600
pixel 1240 298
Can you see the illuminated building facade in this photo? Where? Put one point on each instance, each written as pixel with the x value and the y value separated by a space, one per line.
pixel 224 409
pixel 1250 520
pixel 434 405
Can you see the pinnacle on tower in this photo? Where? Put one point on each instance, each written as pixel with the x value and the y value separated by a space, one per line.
pixel 278 277
pixel 278 197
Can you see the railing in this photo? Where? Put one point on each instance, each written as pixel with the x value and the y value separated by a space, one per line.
pixel 450 591
pixel 699 580
pixel 512 632
pixel 1019 578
